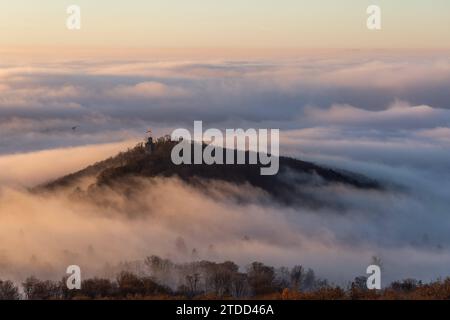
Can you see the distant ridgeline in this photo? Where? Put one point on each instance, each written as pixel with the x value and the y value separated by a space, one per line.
pixel 153 159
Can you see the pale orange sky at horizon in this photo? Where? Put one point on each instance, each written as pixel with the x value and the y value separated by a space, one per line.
pixel 231 24
pixel 61 54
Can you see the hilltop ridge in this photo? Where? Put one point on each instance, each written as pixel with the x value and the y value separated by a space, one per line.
pixel 286 186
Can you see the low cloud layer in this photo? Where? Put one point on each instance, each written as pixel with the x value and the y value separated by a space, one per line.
pixel 121 98
pixel 56 230
pixel 34 168
pixel 383 115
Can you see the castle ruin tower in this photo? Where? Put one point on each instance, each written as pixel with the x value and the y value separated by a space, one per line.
pixel 149 145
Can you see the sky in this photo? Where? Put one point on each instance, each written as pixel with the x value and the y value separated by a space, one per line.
pixel 378 110
pixel 232 23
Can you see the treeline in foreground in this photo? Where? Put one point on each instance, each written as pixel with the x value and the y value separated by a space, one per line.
pixel 164 279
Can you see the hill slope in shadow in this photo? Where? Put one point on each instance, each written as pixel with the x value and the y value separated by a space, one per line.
pixel 286 187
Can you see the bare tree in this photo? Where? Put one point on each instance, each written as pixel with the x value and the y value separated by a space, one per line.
pixel 261 278
pixel 297 277
pixel 8 291
pixel 239 285
pixel 36 289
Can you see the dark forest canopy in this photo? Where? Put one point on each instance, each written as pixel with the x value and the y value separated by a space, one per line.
pixel 285 187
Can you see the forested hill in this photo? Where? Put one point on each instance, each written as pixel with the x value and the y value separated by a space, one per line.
pixel 284 186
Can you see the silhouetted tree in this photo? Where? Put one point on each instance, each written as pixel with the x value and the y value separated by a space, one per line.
pixel 309 281
pixel 42 290
pixel 240 285
pixel 8 291
pixel 261 278
pixel 219 277
pixel 98 288
pixel 131 285
pixel 297 277
pixel 192 282
pixel 282 277
pixel 406 286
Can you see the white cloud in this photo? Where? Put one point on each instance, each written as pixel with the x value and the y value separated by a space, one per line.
pixel 150 89
pixel 385 116
pixel 30 169
pixel 398 116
